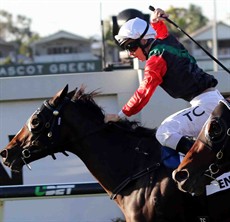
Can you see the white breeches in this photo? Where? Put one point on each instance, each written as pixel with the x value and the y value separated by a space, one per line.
pixel 189 121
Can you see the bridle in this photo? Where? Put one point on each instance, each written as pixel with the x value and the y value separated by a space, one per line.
pixel 44 121
pixel 47 123
pixel 215 139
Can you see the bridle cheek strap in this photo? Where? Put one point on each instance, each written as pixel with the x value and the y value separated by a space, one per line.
pixel 216 166
pixel 51 129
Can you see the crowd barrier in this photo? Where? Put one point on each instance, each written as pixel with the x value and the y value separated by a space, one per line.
pixel 49 190
pixel 17 192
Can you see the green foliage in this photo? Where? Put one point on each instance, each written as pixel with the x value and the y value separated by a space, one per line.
pixel 24 48
pixel 7 61
pixel 18 31
pixel 108 35
pixel 189 19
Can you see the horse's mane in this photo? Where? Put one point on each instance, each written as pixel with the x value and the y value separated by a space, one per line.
pixel 80 96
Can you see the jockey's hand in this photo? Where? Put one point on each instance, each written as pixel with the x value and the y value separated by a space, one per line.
pixel 157 15
pixel 111 117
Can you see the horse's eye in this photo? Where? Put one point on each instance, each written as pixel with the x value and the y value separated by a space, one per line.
pixel 215 130
pixel 36 123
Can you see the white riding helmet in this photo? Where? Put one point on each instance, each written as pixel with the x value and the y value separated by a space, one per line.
pixel 135 29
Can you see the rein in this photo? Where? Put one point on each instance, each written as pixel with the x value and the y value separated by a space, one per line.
pixel 123 184
pixel 51 127
pixel 128 180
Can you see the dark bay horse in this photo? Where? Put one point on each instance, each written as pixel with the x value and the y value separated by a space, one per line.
pixel 210 155
pixel 124 157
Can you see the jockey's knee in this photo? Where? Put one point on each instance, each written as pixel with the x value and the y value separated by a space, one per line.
pixel 160 136
pixel 168 138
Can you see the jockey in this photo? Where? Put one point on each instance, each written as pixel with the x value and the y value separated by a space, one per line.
pixel 170 66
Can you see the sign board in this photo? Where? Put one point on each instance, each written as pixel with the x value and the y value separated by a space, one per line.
pixel 50 68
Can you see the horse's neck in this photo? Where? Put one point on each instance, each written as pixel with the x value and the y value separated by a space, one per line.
pixel 113 155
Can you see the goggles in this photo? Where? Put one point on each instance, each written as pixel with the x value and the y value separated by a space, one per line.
pixel 132 46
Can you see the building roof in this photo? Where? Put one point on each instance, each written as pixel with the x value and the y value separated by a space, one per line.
pixel 58 35
pixel 3 42
pixel 205 33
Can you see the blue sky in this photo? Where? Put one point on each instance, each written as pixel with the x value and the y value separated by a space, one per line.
pixel 83 17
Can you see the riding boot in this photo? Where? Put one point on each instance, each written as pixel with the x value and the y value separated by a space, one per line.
pixel 184 144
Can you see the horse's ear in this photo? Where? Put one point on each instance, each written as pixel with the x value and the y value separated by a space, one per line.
pixel 59 96
pixel 64 92
pixel 71 94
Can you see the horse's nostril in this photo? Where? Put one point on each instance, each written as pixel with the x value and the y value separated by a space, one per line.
pixel 181 175
pixel 3 153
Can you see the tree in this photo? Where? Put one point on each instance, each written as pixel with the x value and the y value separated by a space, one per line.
pixel 189 19
pixel 17 31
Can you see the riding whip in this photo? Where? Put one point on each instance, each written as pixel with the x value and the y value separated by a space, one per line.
pixel 211 56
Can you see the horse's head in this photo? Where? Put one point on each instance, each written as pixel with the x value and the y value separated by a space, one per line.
pixel 209 156
pixel 36 138
pixel 46 131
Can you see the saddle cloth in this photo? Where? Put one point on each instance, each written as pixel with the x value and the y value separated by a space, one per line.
pixel 170 157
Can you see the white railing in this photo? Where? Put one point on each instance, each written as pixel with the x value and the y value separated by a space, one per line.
pixel 62 190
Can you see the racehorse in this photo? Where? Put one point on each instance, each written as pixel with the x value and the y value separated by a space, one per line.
pixel 124 157
pixel 210 155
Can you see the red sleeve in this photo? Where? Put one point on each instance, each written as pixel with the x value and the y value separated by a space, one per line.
pixel 155 69
pixel 161 29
